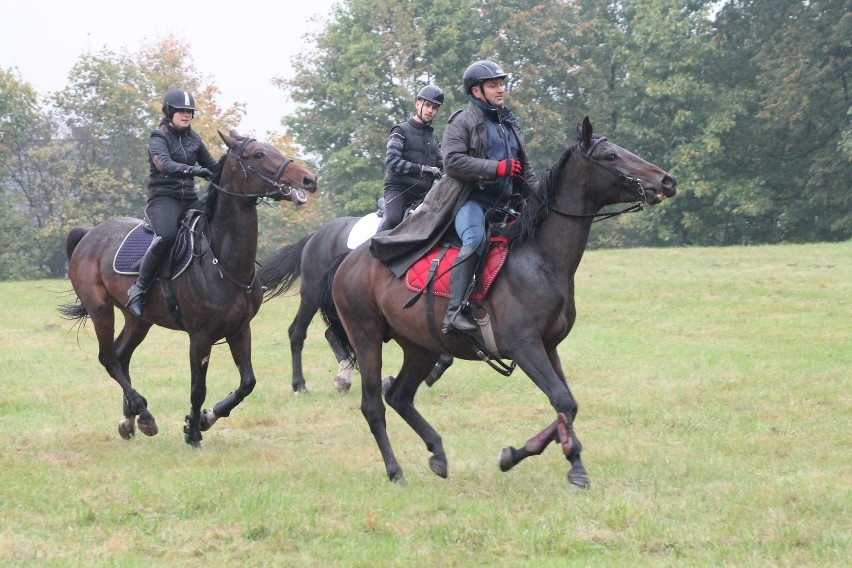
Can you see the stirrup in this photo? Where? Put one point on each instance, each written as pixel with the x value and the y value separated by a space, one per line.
pixel 459 324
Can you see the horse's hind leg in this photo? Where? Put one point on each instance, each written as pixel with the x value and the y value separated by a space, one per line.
pixel 416 365
pixel 115 356
pixel 297 332
pixel 343 379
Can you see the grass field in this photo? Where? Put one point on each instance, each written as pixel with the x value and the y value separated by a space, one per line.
pixel 715 413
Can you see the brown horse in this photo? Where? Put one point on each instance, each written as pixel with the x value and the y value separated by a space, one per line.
pixel 217 295
pixel 546 247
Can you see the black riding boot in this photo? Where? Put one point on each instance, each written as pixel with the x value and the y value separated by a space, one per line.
pixel 148 269
pixel 461 275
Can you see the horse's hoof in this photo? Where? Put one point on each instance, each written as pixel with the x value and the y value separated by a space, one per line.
pixel 438 466
pixel 580 480
pixel 125 431
pixel 196 445
pixel 387 383
pixel 208 419
pixel 148 425
pixel 342 385
pixel 505 458
pixel 298 389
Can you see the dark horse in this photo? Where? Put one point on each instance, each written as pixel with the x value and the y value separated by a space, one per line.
pixel 217 295
pixel 550 239
pixel 306 261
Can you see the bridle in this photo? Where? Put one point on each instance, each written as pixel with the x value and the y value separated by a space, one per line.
pixel 282 189
pixel 639 205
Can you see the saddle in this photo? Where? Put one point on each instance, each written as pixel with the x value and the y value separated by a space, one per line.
pixel 417 277
pixel 129 255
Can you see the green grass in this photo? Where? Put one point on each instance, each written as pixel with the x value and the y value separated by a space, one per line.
pixel 714 412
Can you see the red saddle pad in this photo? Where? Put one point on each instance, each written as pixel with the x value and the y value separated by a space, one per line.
pixel 416 277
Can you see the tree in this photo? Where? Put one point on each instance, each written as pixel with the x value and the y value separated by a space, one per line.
pixel 361 79
pixel 790 144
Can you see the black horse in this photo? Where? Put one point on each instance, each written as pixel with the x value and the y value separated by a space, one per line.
pixel 368 301
pixel 306 261
pixel 218 294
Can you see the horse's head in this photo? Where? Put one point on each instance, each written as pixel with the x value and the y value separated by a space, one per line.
pixel 655 184
pixel 264 171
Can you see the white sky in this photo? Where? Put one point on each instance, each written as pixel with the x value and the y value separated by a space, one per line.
pixel 239 45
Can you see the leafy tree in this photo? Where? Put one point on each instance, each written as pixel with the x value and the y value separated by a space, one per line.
pixel 789 149
pixel 362 78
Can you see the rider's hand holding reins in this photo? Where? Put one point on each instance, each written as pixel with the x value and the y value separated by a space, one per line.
pixel 508 168
pixel 198 171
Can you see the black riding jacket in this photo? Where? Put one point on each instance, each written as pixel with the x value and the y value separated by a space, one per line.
pixel 412 144
pixel 171 152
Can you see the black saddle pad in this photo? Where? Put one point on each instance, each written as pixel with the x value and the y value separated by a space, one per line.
pixel 132 249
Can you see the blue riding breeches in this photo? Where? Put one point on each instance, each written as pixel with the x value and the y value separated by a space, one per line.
pixel 470 225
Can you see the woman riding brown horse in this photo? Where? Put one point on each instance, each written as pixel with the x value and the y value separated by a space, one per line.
pixel 216 296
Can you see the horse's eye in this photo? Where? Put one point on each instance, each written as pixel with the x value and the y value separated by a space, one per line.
pixel 610 157
pixel 258 155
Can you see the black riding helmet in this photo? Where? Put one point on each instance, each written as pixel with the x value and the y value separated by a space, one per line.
pixel 479 72
pixel 432 94
pixel 178 100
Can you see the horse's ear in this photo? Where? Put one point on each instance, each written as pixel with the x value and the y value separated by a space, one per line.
pixel 586 133
pixel 230 142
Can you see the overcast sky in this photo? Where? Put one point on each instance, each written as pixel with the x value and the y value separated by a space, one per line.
pixel 45 38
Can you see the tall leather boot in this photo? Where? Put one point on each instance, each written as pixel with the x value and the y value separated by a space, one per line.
pixel 461 275
pixel 148 269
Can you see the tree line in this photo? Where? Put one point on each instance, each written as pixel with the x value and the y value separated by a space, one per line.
pixel 746 102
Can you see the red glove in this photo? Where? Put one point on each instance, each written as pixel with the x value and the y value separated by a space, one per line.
pixel 508 168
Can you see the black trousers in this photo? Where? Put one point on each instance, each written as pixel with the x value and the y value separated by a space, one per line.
pixel 397 200
pixel 165 212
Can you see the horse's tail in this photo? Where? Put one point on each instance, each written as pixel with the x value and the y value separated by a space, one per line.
pixel 280 271
pixel 75 310
pixel 329 310
pixel 73 238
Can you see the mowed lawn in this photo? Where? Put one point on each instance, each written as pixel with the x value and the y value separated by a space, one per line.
pixel 715 413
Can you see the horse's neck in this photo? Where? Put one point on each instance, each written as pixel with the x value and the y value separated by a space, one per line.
pixel 563 241
pixel 233 235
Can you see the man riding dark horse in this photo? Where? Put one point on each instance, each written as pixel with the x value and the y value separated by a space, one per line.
pixel 486 163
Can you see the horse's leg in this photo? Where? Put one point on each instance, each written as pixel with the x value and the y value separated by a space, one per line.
pixel 365 336
pixel 444 362
pixel 416 364
pixel 571 445
pixel 373 408
pixel 548 376
pixel 134 332
pixel 343 379
pixel 199 358
pixel 297 331
pixel 511 456
pixel 134 404
pixel 240 345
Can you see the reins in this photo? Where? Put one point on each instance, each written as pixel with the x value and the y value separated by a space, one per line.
pixel 283 189
pixel 639 205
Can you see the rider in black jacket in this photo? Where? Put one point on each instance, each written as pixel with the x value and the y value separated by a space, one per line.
pixel 413 160
pixel 173 150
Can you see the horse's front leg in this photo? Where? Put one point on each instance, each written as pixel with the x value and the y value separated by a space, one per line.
pixel 545 369
pixel 240 344
pixel 199 359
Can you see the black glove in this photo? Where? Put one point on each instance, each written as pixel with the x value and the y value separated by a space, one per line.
pixel 198 171
pixel 432 171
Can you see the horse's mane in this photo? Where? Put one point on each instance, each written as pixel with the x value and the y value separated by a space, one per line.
pixel 536 205
pixel 211 200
